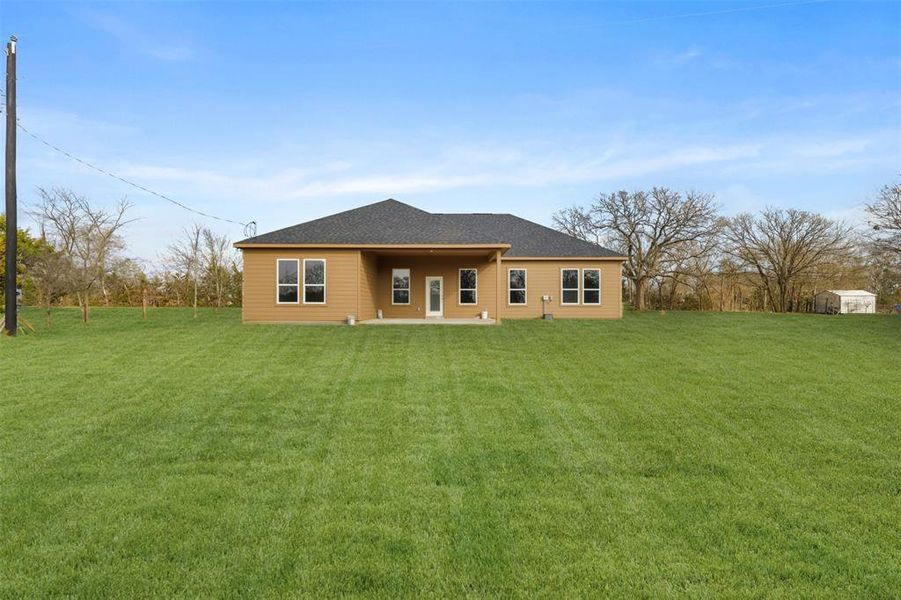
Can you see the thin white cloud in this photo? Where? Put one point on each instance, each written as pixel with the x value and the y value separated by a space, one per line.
pixel 833 148
pixel 160 46
pixel 388 185
pixel 678 58
pixel 517 167
pixel 67 125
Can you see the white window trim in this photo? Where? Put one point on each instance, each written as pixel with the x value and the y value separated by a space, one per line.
pixel 324 283
pixel 475 290
pixel 279 286
pixel 525 288
pixel 408 289
pixel 578 287
pixel 585 289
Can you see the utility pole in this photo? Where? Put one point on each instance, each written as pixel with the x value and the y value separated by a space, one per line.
pixel 11 317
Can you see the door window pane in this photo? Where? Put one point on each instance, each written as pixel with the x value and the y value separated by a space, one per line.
pixel 434 296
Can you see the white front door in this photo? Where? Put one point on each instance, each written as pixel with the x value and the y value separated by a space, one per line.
pixel 434 296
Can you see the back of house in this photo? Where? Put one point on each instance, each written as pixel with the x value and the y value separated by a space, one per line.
pixel 392 260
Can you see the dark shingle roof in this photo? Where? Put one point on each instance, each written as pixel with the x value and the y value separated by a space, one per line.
pixel 393 222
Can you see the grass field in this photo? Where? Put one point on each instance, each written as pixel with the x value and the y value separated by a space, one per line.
pixel 681 454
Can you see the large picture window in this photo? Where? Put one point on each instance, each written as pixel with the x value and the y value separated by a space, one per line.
pixel 517 286
pixel 468 279
pixel 569 286
pixel 591 286
pixel 400 286
pixel 313 281
pixel 288 283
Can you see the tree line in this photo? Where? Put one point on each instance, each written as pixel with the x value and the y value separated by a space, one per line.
pixel 682 253
pixel 79 258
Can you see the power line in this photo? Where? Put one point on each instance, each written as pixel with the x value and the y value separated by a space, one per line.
pixel 249 227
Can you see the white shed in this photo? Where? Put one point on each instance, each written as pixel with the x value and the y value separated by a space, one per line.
pixel 845 302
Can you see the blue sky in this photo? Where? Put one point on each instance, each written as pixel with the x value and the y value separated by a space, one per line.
pixel 283 112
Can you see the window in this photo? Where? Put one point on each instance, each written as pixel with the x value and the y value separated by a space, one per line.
pixel 288 285
pixel 313 281
pixel 569 286
pixel 400 286
pixel 468 279
pixel 591 286
pixel 517 286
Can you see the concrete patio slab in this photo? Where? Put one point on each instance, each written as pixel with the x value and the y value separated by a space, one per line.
pixel 430 321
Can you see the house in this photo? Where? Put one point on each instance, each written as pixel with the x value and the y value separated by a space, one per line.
pixel 845 302
pixel 393 260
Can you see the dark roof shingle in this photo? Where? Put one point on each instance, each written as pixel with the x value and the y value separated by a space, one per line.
pixel 393 222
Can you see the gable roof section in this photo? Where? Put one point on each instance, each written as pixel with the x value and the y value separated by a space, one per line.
pixel 393 222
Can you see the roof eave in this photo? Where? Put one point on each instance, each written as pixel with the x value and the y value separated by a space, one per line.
pixel 587 257
pixel 249 245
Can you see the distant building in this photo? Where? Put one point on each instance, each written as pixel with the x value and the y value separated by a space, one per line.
pixel 844 302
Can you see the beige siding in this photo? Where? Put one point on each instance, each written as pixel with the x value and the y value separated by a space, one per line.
pixel 544 278
pixel 359 283
pixel 441 266
pixel 341 286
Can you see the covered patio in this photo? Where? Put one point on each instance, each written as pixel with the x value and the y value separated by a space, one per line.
pixel 449 285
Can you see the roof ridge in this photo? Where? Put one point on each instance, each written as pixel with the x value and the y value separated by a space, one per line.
pixel 458 214
pixel 395 201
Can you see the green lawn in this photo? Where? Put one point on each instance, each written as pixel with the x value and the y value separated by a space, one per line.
pixel 682 454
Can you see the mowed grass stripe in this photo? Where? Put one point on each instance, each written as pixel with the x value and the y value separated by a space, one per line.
pixel 681 454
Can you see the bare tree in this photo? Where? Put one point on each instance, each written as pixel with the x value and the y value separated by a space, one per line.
pixel 652 230
pixel 186 257
pixel 51 273
pixel 884 274
pixel 217 257
pixel 86 235
pixel 727 275
pixel 885 218
pixel 112 263
pixel 699 271
pixel 784 247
